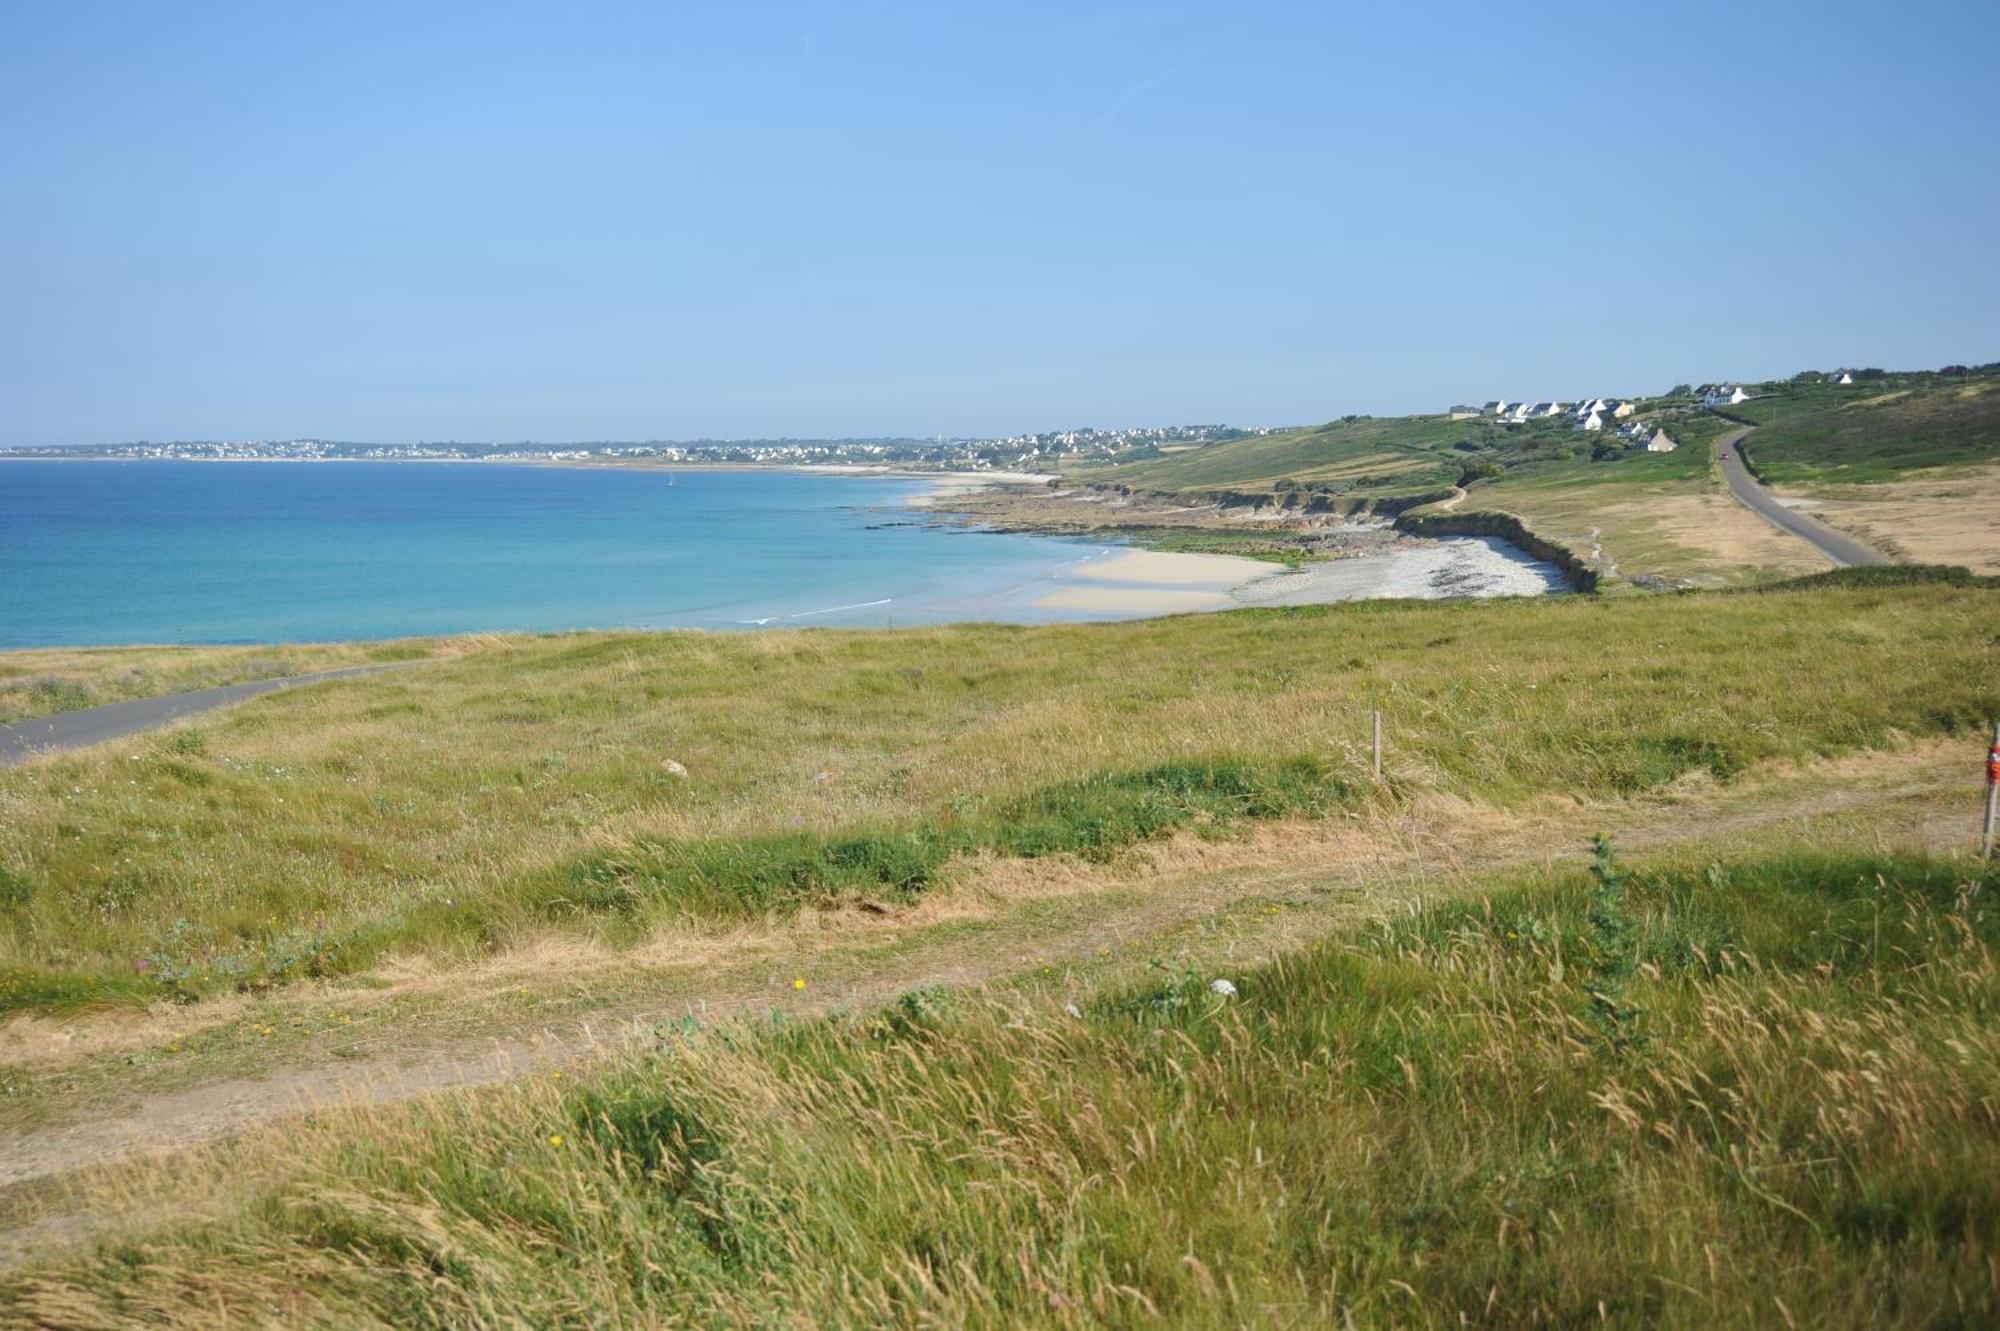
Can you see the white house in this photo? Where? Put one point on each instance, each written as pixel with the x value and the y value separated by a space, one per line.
pixel 1723 395
pixel 1620 410
pixel 1844 378
pixel 1520 413
pixel 1498 407
pixel 1659 443
pixel 1594 421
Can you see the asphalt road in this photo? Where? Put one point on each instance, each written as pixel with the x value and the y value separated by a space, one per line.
pixel 94 725
pixel 1841 549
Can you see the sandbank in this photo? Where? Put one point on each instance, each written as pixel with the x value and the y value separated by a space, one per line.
pixel 1157 568
pixel 1133 602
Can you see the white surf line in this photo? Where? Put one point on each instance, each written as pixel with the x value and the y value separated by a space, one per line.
pixel 829 610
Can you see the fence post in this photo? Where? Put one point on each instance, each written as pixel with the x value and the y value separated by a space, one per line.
pixel 1378 762
pixel 1992 795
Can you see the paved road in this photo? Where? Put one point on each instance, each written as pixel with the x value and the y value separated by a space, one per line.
pixel 75 730
pixel 1841 549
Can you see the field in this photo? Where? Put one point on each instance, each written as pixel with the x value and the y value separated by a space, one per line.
pixel 524 785
pixel 1734 1093
pixel 894 1008
pixel 1867 433
pixel 1664 515
pixel 1911 464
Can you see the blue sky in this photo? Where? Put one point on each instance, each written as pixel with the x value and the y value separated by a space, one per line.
pixel 595 221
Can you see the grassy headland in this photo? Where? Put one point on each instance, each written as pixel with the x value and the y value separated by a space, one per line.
pixel 1909 461
pixel 529 785
pixel 1735 1093
pixel 1875 430
pixel 1622 512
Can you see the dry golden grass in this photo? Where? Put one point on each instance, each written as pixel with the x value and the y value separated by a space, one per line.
pixel 1725 1094
pixel 1947 516
pixel 450 810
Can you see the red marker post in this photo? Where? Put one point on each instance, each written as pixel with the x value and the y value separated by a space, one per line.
pixel 1992 794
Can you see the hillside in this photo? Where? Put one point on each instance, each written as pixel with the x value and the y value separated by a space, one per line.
pixel 1875 430
pixel 1370 457
pixel 477 870
pixel 1909 461
pixel 1623 511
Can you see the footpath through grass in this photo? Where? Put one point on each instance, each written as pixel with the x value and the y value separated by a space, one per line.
pixel 45 680
pixel 529 785
pixel 1740 1094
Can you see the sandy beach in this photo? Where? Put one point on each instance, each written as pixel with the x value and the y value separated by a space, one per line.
pixel 1122 584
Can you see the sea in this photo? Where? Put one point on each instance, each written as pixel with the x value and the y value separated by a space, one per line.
pixel 146 551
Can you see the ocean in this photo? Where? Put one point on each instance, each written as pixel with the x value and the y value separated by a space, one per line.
pixel 219 552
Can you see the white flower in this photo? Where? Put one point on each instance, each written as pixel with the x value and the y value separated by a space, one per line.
pixel 1223 988
pixel 1073 1010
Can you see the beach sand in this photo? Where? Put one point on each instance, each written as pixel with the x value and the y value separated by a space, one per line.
pixel 1134 602
pixel 1155 568
pixel 1461 566
pixel 1131 584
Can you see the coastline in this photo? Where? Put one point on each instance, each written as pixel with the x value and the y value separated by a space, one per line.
pixel 1354 561
pixel 1108 571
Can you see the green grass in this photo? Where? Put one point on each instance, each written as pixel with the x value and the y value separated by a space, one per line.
pixel 1364 457
pixel 1092 818
pixel 1273 547
pixel 1738 1094
pixel 1886 575
pixel 1872 432
pixel 520 787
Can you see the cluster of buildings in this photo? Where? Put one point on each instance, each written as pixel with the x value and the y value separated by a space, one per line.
pixel 1589 415
pixel 1592 414
pixel 1646 437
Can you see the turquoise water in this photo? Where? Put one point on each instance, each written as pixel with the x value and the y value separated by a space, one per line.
pixel 141 551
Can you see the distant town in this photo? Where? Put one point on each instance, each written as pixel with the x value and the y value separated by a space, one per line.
pixel 1021 452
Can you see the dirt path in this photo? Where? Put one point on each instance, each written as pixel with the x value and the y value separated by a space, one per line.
pixel 1030 917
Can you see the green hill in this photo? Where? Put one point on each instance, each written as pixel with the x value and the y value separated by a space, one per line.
pixel 1873 430
pixel 1369 455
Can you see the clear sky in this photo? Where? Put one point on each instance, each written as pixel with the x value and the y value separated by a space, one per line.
pixel 655 220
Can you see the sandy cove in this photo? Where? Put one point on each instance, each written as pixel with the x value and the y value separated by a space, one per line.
pixel 1127 583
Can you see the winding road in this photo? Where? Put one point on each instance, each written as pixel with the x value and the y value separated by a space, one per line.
pixel 75 730
pixel 1750 492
